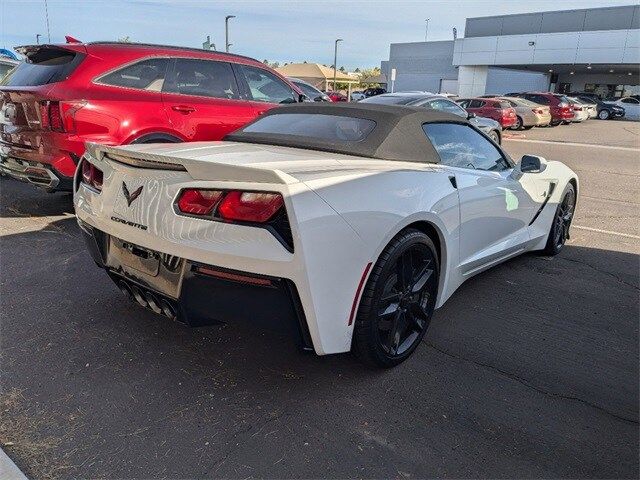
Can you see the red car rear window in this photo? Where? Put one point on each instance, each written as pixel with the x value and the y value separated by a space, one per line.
pixel 43 66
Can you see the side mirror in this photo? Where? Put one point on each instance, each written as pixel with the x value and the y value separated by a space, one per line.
pixel 470 115
pixel 532 164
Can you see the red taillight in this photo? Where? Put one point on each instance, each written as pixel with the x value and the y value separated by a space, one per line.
pixel 59 116
pixel 91 175
pixel 250 206
pixel 199 202
pixel 234 205
pixel 51 116
pixel 55 117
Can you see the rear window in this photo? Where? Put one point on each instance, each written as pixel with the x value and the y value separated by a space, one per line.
pixel 333 128
pixel 503 104
pixel 43 66
pixel 391 100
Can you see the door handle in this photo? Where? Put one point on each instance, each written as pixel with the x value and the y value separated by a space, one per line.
pixel 183 109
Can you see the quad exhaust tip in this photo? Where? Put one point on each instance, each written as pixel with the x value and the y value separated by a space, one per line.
pixel 147 299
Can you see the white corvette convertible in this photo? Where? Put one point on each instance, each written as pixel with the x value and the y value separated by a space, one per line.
pixel 346 225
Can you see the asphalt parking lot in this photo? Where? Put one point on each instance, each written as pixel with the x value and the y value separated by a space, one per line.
pixel 530 370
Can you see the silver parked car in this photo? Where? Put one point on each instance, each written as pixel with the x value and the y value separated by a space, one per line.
pixel 311 93
pixel 529 114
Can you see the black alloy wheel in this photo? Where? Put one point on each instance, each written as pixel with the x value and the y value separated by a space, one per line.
pixel 398 301
pixel 561 222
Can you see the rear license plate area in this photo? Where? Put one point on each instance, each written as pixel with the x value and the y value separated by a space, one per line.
pixel 132 256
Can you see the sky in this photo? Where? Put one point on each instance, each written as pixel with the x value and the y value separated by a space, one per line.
pixel 283 31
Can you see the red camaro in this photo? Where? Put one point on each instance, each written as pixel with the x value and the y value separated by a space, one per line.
pixel 499 110
pixel 62 96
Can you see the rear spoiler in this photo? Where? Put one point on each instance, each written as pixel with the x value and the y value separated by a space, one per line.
pixel 198 169
pixel 26 50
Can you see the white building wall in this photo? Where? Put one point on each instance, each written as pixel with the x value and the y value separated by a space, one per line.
pixel 604 46
pixel 472 80
pixel 421 65
pixel 505 80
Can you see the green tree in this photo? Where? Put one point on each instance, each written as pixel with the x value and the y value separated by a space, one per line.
pixel 124 39
pixel 366 73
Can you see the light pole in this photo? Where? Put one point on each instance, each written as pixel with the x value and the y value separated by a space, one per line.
pixel 335 63
pixel 46 11
pixel 38 38
pixel 226 31
pixel 426 30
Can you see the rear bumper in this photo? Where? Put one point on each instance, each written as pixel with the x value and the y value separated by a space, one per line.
pixel 540 120
pixel 198 294
pixel 58 152
pixel 35 173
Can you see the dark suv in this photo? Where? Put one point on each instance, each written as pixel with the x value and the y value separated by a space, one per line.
pixel 62 96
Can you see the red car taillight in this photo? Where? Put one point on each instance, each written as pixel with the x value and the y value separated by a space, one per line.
pixel 256 208
pixel 233 205
pixel 51 116
pixel 91 175
pixel 59 116
pixel 250 206
pixel 198 202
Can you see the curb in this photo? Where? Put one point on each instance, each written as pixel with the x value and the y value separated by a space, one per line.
pixel 8 469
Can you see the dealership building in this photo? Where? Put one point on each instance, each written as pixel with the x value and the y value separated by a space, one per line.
pixel 593 50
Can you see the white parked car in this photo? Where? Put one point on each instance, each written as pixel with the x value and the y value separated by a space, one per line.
pixel 347 224
pixel 357 96
pixel 580 110
pixel 631 106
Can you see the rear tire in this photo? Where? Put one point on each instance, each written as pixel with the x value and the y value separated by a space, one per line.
pixel 398 301
pixel 495 136
pixel 562 219
pixel 519 123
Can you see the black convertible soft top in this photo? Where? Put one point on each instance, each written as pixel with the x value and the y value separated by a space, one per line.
pixel 396 135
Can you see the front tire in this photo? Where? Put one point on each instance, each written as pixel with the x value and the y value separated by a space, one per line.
pixel 495 136
pixel 398 300
pixel 604 114
pixel 562 219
